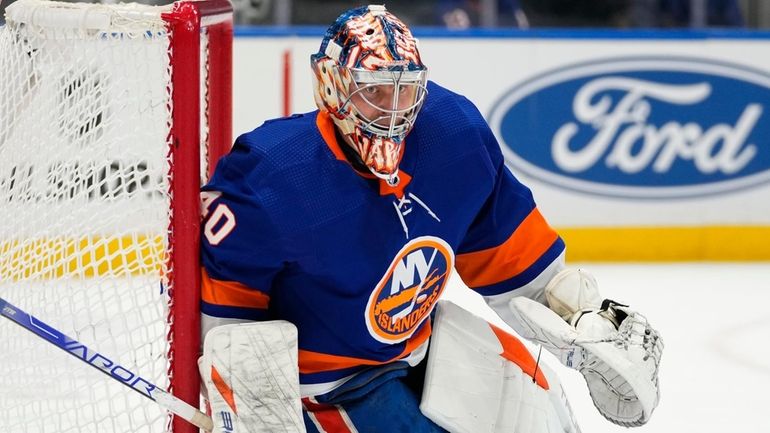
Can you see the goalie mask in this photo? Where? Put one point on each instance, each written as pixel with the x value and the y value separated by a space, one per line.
pixel 369 77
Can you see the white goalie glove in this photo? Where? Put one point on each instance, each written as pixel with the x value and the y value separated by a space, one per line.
pixel 614 347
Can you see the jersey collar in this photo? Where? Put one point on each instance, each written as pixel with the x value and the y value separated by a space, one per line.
pixel 326 128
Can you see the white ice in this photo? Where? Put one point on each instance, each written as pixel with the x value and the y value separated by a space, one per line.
pixel 715 322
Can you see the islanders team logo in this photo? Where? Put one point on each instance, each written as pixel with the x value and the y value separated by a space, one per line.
pixel 408 291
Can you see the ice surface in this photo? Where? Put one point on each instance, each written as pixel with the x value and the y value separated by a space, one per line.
pixel 715 322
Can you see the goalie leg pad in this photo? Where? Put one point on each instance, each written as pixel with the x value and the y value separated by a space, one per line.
pixel 481 379
pixel 251 378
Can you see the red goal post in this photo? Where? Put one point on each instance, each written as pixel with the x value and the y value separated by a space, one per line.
pixel 111 117
pixel 185 22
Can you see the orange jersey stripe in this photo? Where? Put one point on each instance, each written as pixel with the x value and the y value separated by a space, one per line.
pixel 515 351
pixel 315 362
pixel 231 293
pixel 528 243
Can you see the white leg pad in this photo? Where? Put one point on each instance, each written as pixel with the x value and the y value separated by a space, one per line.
pixel 470 387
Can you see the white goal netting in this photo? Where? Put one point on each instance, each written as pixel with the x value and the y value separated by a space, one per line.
pixel 85 204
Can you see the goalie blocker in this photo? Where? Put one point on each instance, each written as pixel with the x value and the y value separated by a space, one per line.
pixel 250 377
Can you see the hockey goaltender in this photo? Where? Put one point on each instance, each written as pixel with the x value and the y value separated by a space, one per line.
pixel 330 236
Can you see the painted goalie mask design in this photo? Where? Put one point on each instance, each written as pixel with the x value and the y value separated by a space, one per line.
pixel 369 77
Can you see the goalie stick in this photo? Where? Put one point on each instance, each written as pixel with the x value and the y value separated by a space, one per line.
pixel 106 366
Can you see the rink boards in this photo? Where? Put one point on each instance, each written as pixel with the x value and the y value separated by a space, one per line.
pixel 638 145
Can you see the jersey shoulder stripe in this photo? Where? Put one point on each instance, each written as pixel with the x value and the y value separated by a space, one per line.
pixel 531 239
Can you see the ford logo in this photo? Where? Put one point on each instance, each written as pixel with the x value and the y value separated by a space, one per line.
pixel 640 127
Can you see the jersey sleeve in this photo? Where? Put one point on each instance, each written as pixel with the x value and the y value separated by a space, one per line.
pixel 241 249
pixel 509 248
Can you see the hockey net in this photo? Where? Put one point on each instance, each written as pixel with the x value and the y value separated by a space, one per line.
pixel 110 118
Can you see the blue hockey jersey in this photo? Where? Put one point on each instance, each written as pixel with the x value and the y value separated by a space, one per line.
pixel 292 231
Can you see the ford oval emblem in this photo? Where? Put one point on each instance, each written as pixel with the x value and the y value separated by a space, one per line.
pixel 641 127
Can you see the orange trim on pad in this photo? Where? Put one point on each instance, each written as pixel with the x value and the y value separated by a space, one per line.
pixel 528 243
pixel 515 351
pixel 224 389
